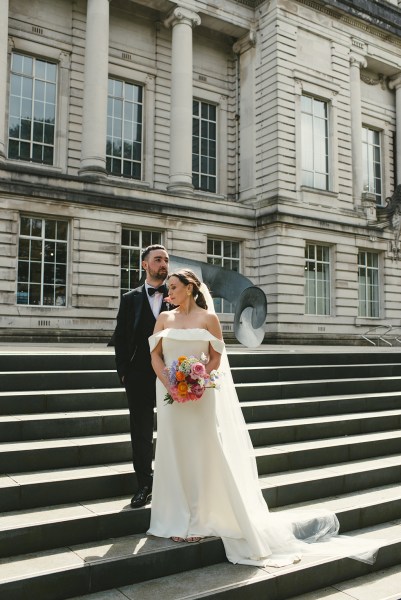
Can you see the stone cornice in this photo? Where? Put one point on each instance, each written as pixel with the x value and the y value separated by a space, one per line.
pixel 364 14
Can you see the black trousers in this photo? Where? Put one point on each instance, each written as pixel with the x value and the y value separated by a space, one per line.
pixel 140 386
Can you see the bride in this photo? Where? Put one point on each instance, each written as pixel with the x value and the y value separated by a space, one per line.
pixel 206 480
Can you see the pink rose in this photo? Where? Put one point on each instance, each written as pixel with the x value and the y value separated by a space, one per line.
pixel 198 370
pixel 197 390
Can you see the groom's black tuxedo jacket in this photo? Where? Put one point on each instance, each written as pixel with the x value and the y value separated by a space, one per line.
pixel 135 323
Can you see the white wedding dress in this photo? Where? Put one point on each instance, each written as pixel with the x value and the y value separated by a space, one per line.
pixel 206 482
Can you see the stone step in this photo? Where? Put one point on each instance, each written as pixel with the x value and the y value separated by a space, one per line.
pixel 34 530
pixel 274 410
pixel 44 528
pixel 327 387
pixel 107 378
pixel 28 402
pixel 278 443
pixel 59 486
pixel 319 427
pixel 17 403
pixel 305 485
pixel 321 452
pixel 63 453
pixel 57 361
pixel 382 585
pixel 52 425
pixel 286 373
pixel 329 356
pixel 103 358
pixel 16 381
pixel 139 562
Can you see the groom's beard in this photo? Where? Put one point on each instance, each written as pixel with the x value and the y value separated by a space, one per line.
pixel 159 275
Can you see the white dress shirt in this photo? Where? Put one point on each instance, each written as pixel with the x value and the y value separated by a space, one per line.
pixel 155 301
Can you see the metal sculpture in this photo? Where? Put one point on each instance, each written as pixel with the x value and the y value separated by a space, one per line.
pixel 249 301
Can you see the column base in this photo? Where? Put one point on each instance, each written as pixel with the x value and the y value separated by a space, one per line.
pixel 180 187
pixel 93 172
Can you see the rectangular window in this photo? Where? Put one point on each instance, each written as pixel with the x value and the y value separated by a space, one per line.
pixel 32 109
pixel 368 284
pixel 315 143
pixel 317 280
pixel 372 164
pixel 227 255
pixel 42 262
pixel 133 241
pixel 124 129
pixel 204 151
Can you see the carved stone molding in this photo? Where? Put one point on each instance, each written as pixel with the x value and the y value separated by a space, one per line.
pixel 245 43
pixel 182 15
pixel 358 60
pixel 395 82
pixel 379 79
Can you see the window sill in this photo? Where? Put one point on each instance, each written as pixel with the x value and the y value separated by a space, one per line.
pixel 209 195
pixel 313 192
pixel 126 182
pixel 21 166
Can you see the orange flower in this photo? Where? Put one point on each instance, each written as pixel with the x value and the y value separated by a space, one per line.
pixel 179 375
pixel 182 388
pixel 181 359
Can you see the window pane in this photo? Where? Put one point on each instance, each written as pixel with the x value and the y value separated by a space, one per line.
pixel 314 141
pixel 317 280
pixel 204 167
pixel 32 96
pixel 225 253
pixel 41 260
pixel 124 130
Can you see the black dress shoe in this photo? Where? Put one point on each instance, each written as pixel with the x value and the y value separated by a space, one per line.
pixel 142 497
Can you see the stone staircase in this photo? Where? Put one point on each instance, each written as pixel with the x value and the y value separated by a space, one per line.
pixel 326 431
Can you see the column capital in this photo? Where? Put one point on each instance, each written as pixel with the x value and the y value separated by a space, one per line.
pixel 358 60
pixel 182 15
pixel 395 82
pixel 245 43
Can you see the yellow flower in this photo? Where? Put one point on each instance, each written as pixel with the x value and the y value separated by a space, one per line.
pixel 182 388
pixel 181 359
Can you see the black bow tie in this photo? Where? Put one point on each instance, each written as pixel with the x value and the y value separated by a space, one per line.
pixel 161 289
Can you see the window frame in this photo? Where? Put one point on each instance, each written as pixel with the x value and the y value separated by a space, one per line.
pixel 62 58
pixel 327 281
pixel 201 119
pixel 138 248
pixel 325 90
pixel 36 79
pixel 369 302
pixel 366 166
pixel 121 175
pixel 203 94
pixel 43 239
pixel 326 142
pixel 118 69
pixel 223 302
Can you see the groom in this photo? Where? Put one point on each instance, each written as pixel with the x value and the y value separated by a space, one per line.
pixel 136 319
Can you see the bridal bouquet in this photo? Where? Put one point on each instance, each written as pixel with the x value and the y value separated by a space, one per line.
pixel 188 379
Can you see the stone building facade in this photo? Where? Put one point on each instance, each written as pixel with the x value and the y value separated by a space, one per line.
pixel 259 135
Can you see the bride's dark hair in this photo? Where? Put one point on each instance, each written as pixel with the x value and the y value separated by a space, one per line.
pixel 186 277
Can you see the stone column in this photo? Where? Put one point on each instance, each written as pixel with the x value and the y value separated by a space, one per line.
pixel 395 84
pixel 3 73
pixel 356 63
pixel 182 21
pixel 244 48
pixel 94 125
